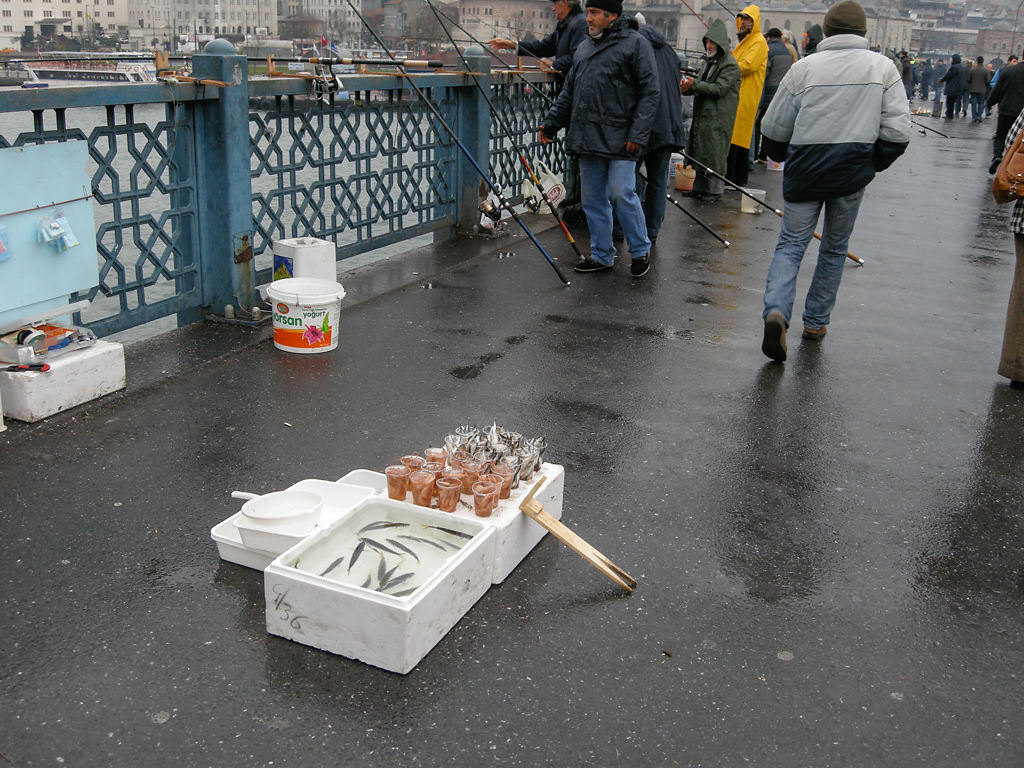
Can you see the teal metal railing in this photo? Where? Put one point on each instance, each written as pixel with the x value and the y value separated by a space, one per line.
pixel 193 184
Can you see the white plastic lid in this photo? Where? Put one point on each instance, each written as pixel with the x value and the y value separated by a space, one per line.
pixel 305 290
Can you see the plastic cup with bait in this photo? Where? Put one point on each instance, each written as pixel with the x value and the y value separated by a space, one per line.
pixel 413 462
pixel 435 454
pixel 485 498
pixel 398 481
pixel 503 470
pixel 472 469
pixel 421 483
pixel 449 490
pixel 437 467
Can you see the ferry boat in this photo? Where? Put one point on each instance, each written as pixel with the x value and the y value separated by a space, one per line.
pixel 85 70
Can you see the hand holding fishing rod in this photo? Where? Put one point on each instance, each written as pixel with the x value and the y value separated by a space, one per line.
pixel 486 207
pixel 510 135
pixel 859 261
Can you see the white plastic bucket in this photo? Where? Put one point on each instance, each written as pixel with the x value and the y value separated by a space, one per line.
pixel 749 206
pixel 305 257
pixel 305 314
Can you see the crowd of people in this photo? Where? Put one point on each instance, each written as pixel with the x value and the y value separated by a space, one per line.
pixel 758 100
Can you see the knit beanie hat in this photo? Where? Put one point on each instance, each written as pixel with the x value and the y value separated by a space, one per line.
pixel 846 18
pixel 612 6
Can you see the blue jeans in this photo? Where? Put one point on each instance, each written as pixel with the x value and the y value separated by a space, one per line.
pixel 798 220
pixel 977 106
pixel 606 184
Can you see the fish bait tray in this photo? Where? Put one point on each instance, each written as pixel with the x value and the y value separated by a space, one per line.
pixel 312 594
pixel 515 534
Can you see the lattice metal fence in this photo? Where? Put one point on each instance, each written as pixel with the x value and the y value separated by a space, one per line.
pixel 143 183
pixel 358 172
pixel 523 107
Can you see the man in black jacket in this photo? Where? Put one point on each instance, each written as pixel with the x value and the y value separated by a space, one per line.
pixel 608 103
pixel 1009 95
pixel 955 81
pixel 555 51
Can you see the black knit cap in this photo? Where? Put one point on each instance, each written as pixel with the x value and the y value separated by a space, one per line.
pixel 612 6
pixel 845 18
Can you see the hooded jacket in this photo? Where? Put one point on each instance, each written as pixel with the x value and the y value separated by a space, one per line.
pixel 610 95
pixel 560 44
pixel 716 94
pixel 752 57
pixel 667 124
pixel 955 78
pixel 814 36
pixel 838 117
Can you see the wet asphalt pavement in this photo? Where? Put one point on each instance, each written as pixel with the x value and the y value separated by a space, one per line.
pixel 829 551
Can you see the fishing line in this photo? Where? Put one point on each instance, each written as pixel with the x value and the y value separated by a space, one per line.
pixel 859 261
pixel 485 206
pixel 507 129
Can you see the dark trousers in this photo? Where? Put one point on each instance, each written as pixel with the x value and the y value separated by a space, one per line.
pixel 1003 125
pixel 738 165
pixel 766 100
pixel 952 105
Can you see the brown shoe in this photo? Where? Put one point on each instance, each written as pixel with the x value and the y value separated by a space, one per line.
pixel 815 334
pixel 774 344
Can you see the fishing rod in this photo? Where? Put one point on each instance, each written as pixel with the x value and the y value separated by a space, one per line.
pixel 674 202
pixel 724 6
pixel 505 64
pixel 507 129
pixel 431 63
pixel 486 207
pixel 922 125
pixel 859 261
pixel 690 9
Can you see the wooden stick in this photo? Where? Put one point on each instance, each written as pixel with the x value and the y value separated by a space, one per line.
pixel 170 77
pixel 536 512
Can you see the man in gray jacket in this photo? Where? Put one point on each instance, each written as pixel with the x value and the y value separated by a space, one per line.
pixel 828 162
pixel 608 102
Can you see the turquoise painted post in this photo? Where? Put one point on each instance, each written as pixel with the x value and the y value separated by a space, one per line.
pixel 473 128
pixel 223 180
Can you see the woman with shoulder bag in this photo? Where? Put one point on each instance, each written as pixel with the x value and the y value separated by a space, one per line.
pixel 1011 361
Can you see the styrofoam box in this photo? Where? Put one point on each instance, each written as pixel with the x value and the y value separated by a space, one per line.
pixel 74 378
pixel 390 632
pixel 339 499
pixel 516 534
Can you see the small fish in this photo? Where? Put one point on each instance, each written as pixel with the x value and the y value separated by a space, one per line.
pixel 397 580
pixel 380 524
pixel 460 534
pixel 404 592
pixel 366 584
pixel 333 565
pixel 404 548
pixel 386 578
pixel 381 570
pixel 355 555
pixel 378 546
pixel 423 541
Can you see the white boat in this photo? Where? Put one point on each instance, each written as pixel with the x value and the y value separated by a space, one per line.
pixel 87 70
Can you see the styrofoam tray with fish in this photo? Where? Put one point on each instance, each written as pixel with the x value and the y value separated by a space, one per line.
pixel 517 534
pixel 338 499
pixel 383 584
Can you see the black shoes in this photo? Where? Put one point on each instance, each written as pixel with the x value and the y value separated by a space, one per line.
pixel 587 264
pixel 774 343
pixel 640 267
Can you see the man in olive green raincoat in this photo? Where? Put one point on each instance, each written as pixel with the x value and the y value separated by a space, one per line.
pixel 716 93
pixel 751 54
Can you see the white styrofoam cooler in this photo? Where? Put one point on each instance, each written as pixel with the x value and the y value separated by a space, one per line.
pixel 387 631
pixel 74 378
pixel 309 256
pixel 515 534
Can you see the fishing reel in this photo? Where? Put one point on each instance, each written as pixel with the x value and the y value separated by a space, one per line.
pixel 690 72
pixel 532 202
pixel 490 210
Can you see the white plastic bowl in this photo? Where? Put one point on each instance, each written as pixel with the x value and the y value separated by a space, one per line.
pixel 296 508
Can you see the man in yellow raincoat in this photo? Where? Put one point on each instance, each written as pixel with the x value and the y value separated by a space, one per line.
pixel 752 56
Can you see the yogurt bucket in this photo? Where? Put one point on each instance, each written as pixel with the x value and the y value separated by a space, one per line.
pixel 306 314
pixel 749 206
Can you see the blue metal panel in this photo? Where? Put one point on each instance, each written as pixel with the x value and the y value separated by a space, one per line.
pixel 47 182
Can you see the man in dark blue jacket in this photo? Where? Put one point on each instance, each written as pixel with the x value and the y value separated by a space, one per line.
pixel 556 50
pixel 608 104
pixel 955 81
